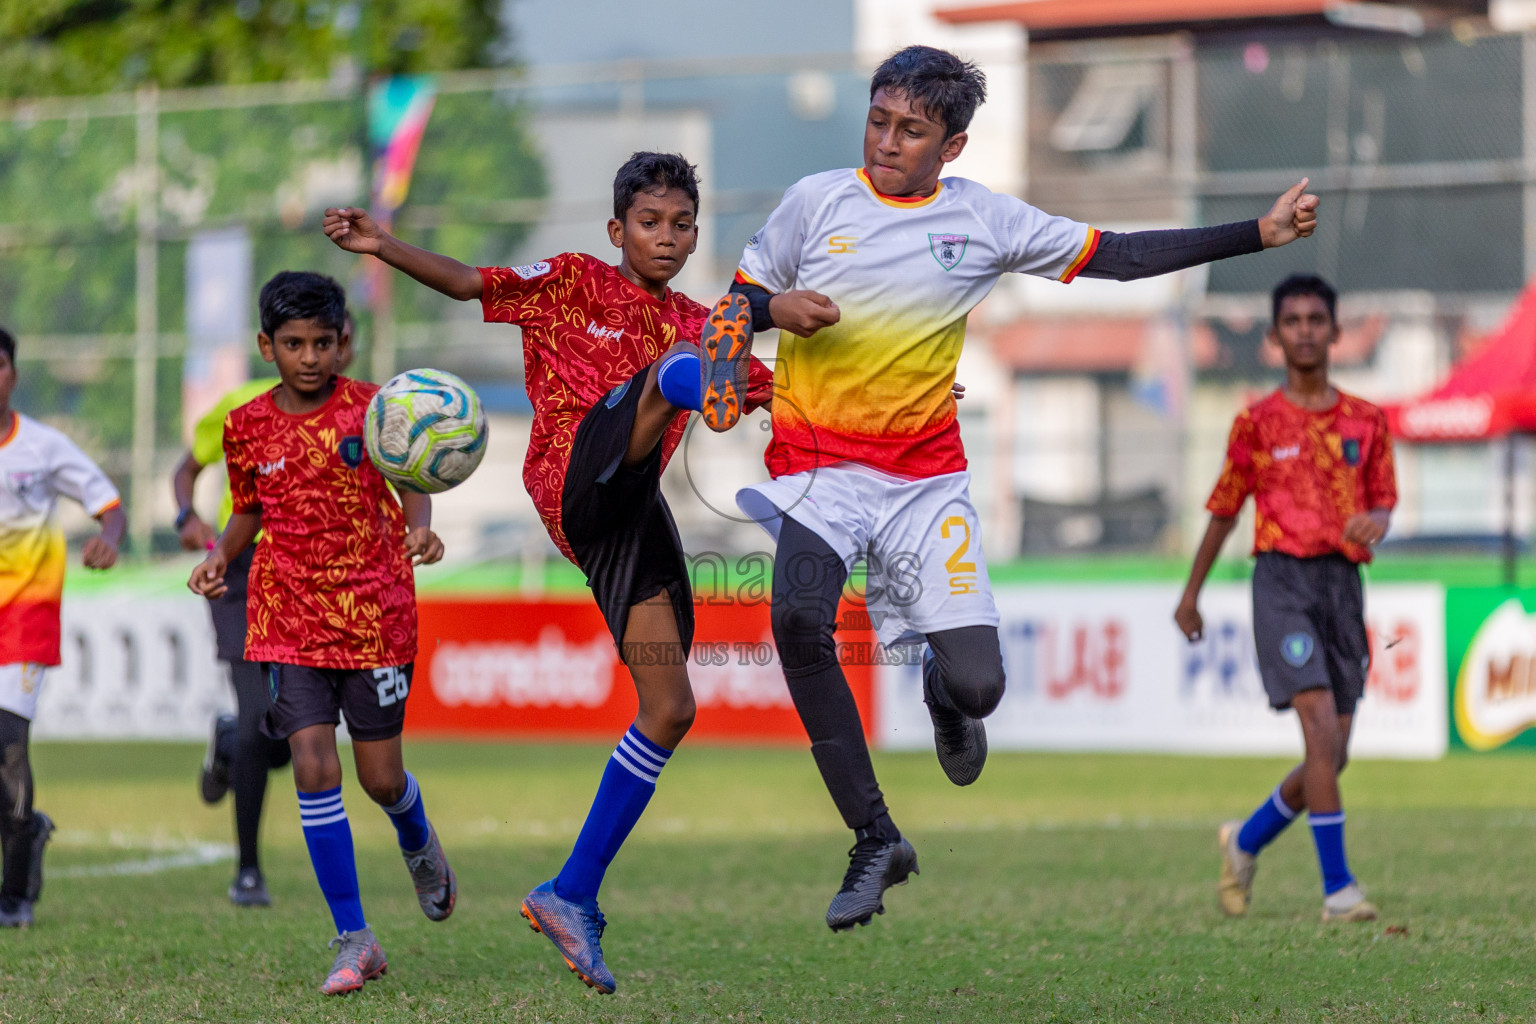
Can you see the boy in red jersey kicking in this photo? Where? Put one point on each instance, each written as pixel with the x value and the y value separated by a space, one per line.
pixel 332 602
pixel 612 370
pixel 1318 463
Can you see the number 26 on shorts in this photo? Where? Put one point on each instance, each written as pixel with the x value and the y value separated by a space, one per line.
pixel 393 685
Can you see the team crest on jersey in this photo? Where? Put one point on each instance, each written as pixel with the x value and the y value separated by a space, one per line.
pixel 529 271
pixel 351 450
pixel 26 484
pixel 1351 451
pixel 755 241
pixel 949 250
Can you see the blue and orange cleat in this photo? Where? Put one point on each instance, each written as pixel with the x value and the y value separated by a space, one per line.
pixel 359 960
pixel 725 356
pixel 576 930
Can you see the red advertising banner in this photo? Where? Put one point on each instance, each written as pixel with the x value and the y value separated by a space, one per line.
pixel 498 667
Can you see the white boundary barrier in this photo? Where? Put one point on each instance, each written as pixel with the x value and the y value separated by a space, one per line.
pixel 1104 668
pixel 134 669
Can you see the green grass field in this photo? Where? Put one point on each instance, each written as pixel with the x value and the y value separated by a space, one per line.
pixel 1058 888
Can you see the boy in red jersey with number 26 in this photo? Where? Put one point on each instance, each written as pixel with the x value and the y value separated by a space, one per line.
pixel 332 603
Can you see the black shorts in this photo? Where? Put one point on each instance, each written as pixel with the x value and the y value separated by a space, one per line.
pixel 229 608
pixel 1309 628
pixel 616 521
pixel 373 699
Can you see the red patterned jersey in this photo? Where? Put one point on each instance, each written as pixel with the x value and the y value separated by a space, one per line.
pixel 331 586
pixel 586 329
pixel 1309 472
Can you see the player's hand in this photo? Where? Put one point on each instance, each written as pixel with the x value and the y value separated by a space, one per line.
pixel 99 554
pixel 208 578
pixel 196 535
pixel 1187 618
pixel 803 313
pixel 957 390
pixel 1293 216
pixel 423 547
pixel 1364 529
pixel 352 229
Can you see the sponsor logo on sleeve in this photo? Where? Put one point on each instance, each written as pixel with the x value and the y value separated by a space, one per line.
pixel 529 271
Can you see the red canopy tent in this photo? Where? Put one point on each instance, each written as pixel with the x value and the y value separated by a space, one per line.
pixel 1491 395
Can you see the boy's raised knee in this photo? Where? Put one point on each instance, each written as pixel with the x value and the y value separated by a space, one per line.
pixel 978 694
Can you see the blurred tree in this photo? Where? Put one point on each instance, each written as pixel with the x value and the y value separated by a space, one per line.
pixel 62 47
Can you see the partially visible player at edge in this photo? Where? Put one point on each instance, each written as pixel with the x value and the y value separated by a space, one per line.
pixel 869 273
pixel 239 754
pixel 37 465
pixel 612 365
pixel 1318 463
pixel 332 605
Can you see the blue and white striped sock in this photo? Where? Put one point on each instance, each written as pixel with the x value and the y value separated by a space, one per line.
pixel 628 782
pixel 329 838
pixel 410 817
pixel 1328 835
pixel 1267 821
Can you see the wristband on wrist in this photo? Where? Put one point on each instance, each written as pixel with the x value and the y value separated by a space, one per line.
pixel 183 515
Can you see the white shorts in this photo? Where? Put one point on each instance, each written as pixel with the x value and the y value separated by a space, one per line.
pixel 20 683
pixel 920 540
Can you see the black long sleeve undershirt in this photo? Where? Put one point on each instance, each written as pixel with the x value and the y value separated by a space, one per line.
pixel 757 298
pixel 1119 257
pixel 1138 254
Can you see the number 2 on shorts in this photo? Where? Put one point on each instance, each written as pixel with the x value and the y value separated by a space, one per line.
pixel 393 685
pixel 962 572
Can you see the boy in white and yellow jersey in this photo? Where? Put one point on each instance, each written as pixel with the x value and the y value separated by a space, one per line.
pixel 37 465
pixel 869 274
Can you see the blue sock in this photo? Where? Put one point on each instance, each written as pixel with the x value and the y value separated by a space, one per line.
pixel 628 782
pixel 410 817
pixel 1328 835
pixel 1266 822
pixel 677 378
pixel 329 839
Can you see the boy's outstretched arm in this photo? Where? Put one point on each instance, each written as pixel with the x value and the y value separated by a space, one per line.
pixel 101 551
pixel 422 546
pixel 1137 254
pixel 1187 615
pixel 353 230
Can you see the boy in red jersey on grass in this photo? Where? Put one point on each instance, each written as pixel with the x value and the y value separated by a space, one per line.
pixel 1318 463
pixel 332 605
pixel 612 369
pixel 37 465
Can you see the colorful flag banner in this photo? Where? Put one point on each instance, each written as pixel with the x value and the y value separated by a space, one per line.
pixel 398 110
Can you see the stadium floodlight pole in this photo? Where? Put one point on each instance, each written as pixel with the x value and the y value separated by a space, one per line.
pixel 141 510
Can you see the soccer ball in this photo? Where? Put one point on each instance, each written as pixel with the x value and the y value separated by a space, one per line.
pixel 425 431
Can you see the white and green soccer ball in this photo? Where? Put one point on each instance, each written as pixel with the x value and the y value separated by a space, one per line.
pixel 425 431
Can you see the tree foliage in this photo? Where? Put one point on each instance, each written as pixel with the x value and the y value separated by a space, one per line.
pixel 67 47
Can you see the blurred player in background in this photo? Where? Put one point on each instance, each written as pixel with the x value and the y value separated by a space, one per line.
pixel 612 368
pixel 332 604
pixel 1318 463
pixel 37 465
pixel 239 754
pixel 870 273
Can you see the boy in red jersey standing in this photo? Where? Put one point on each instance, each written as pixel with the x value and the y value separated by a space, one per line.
pixel 612 368
pixel 1318 463
pixel 332 606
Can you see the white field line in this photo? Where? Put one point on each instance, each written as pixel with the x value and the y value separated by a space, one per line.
pixel 192 855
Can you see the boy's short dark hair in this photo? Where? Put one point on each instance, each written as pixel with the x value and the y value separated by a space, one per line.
pixel 301 295
pixel 936 83
pixel 7 346
pixel 653 172
pixel 1304 284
